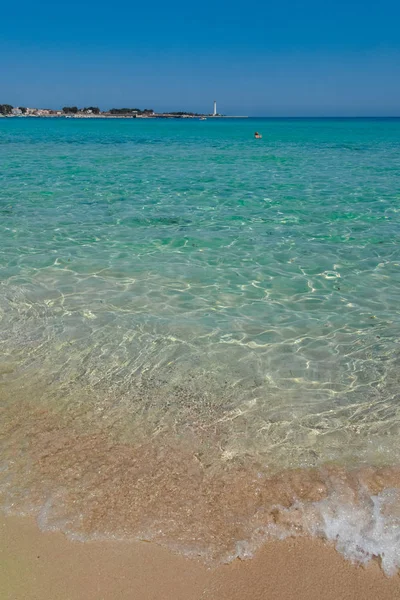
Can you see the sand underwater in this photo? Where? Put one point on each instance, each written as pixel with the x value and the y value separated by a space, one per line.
pixel 199 347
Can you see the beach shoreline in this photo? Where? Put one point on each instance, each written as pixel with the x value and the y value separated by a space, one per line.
pixel 39 565
pixel 200 351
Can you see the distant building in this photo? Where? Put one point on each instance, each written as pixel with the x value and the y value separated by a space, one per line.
pixel 16 111
pixel 215 109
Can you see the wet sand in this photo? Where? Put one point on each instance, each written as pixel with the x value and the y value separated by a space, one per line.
pixel 43 566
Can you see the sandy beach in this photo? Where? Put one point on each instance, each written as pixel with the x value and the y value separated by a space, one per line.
pixel 42 566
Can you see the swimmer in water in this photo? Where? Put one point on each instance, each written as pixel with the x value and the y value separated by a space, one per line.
pixel 257 135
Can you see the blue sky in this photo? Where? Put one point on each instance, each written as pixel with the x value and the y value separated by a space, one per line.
pixel 275 59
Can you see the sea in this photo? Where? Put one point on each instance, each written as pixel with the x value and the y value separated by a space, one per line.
pixel 199 331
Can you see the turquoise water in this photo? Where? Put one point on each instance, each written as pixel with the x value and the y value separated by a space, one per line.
pixel 220 310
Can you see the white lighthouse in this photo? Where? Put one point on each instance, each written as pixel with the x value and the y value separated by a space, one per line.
pixel 215 109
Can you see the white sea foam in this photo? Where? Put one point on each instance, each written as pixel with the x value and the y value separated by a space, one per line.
pixel 363 530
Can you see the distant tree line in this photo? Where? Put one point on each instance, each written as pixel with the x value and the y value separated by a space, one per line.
pixel 114 111
pixel 93 109
pixel 5 109
pixel 184 114
pixel 68 110
pixel 130 111
pixel 124 111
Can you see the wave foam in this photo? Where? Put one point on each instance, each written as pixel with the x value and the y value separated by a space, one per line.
pixel 361 531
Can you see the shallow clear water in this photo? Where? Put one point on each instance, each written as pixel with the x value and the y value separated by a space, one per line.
pixel 200 329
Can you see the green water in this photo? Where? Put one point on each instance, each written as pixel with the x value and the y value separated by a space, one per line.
pixel 170 278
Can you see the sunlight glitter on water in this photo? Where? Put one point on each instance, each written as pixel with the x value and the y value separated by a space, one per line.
pixel 199 335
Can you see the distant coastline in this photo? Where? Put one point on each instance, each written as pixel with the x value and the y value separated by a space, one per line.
pixel 93 112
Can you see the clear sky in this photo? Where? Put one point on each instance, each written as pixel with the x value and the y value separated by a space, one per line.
pixel 311 57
